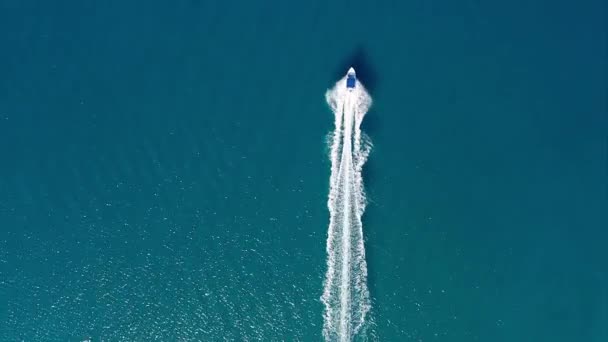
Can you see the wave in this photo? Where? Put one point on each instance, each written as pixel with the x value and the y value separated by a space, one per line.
pixel 345 293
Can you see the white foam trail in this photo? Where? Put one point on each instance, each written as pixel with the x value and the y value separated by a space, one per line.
pixel 345 292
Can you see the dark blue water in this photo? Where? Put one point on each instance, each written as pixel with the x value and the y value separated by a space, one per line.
pixel 164 169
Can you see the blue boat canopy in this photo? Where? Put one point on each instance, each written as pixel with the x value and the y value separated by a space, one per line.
pixel 350 81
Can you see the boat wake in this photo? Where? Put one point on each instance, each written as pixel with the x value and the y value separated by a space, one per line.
pixel 345 293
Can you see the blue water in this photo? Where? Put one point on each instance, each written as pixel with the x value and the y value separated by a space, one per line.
pixel 164 171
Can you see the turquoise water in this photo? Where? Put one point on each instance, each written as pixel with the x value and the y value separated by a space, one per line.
pixel 165 175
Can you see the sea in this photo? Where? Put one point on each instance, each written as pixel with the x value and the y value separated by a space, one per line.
pixel 165 169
